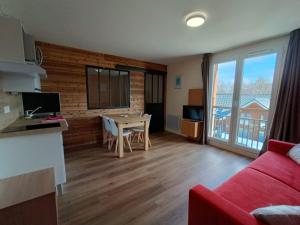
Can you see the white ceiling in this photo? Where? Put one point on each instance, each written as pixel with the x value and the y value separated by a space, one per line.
pixel 153 30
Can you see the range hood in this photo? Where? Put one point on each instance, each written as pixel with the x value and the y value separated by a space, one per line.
pixel 19 68
pixel 17 55
pixel 22 69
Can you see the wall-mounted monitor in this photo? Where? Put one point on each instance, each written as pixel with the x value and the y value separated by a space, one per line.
pixel 195 113
pixel 49 102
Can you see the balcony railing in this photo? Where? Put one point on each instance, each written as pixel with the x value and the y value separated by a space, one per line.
pixel 250 132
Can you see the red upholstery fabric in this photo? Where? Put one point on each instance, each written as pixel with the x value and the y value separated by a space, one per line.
pixel 208 208
pixel 280 167
pixel 250 189
pixel 272 179
pixel 279 146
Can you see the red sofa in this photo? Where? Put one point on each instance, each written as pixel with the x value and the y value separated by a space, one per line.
pixel 272 179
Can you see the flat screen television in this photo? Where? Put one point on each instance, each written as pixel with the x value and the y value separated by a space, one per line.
pixel 195 113
pixel 49 102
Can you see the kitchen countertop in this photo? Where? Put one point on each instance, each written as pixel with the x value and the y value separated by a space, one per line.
pixel 17 127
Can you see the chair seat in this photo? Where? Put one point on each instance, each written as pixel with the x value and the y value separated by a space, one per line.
pixel 127 132
pixel 138 129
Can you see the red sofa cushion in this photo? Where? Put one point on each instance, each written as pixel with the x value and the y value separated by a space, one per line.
pixel 280 167
pixel 208 208
pixel 251 189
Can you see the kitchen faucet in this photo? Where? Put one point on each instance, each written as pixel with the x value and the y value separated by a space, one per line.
pixel 30 113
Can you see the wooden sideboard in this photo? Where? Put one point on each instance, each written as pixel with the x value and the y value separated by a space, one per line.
pixel 191 129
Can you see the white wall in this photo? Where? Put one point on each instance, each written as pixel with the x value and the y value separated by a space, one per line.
pixel 190 70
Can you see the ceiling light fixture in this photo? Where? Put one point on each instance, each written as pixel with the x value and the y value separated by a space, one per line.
pixel 194 19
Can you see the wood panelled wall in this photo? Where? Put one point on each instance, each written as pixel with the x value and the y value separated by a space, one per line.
pixel 66 74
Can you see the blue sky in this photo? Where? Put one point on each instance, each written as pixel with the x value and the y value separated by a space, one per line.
pixel 254 68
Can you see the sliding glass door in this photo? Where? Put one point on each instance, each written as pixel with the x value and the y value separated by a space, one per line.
pixel 223 89
pixel 254 100
pixel 242 94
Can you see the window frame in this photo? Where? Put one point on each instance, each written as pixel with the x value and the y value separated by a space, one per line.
pixel 278 46
pixel 107 107
pixel 160 84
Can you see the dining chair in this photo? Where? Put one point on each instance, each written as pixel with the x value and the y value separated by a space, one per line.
pixel 131 136
pixel 107 128
pixel 139 132
pixel 115 134
pixel 137 113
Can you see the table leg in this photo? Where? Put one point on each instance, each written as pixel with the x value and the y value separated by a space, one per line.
pixel 120 138
pixel 146 137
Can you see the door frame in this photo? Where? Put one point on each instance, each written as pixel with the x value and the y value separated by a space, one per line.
pixel 164 75
pixel 279 46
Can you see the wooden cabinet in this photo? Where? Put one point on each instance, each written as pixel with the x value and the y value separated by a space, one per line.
pixel 28 199
pixel 11 44
pixel 195 97
pixel 192 129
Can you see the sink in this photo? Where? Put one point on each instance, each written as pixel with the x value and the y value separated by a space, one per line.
pixel 37 116
pixel 30 127
pixel 41 126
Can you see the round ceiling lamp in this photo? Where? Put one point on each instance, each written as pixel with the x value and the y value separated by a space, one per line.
pixel 194 19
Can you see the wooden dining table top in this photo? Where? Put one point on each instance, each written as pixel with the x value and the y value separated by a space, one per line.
pixel 126 118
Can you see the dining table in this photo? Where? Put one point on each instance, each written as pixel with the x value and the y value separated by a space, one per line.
pixel 128 121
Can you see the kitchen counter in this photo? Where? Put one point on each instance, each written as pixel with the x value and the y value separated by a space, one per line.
pixel 29 198
pixel 33 144
pixel 24 126
pixel 28 186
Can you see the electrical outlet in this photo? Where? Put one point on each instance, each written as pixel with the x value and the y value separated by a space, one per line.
pixel 6 109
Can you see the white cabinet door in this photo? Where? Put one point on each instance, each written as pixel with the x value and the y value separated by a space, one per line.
pixel 22 154
pixel 11 42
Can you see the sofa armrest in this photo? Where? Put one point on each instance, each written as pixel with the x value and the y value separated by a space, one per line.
pixel 209 208
pixel 280 147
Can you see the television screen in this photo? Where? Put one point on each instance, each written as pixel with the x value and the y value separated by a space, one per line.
pixel 49 102
pixel 195 113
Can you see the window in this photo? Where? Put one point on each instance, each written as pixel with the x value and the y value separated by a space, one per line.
pixel 107 88
pixel 223 87
pixel 242 91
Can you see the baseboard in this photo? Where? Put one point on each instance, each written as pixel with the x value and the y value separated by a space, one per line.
pixel 81 147
pixel 175 132
pixel 232 149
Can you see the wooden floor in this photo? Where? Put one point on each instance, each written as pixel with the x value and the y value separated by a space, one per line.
pixel 144 188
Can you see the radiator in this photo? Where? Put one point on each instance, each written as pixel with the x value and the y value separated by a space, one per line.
pixel 173 122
